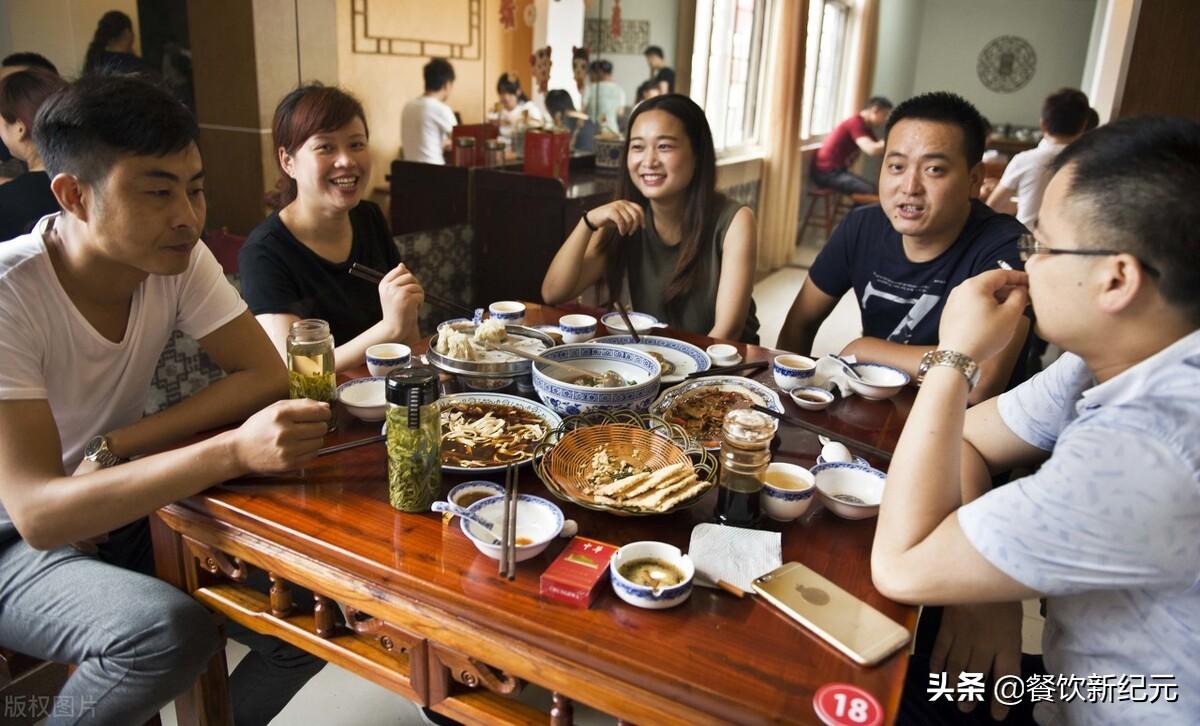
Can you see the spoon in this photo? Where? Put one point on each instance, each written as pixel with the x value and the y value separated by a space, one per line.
pixel 469 516
pixel 846 367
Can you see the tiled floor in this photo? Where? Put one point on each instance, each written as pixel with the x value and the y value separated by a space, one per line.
pixel 337 698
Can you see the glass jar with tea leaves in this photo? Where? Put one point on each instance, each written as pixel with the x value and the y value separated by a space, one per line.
pixel 414 436
pixel 310 362
pixel 745 455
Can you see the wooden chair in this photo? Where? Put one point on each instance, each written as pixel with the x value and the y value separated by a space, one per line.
pixel 832 204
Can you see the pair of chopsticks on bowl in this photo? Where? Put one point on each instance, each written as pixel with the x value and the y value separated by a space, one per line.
pixel 625 319
pixel 508 528
pixel 374 276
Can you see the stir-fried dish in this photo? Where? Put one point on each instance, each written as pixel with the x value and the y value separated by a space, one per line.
pixel 702 413
pixel 476 435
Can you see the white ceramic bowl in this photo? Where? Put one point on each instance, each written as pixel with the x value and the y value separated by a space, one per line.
pixel 568 399
pixel 384 358
pixel 642 322
pixel 811 398
pixel 576 328
pixel 864 483
pixel 539 520
pixel 364 398
pixel 509 312
pixel 491 489
pixel 791 371
pixel 645 597
pixel 878 381
pixel 723 354
pixel 787 491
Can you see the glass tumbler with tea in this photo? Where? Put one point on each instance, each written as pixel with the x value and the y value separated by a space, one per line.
pixel 745 455
pixel 414 438
pixel 464 151
pixel 310 362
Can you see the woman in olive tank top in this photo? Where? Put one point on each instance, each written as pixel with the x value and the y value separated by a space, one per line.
pixel 686 252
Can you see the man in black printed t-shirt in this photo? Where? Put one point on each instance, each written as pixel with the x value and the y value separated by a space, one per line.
pixel 904 255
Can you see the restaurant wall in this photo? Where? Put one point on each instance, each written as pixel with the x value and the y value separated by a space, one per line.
pixel 629 69
pixel 385 83
pixel 950 34
pixel 58 29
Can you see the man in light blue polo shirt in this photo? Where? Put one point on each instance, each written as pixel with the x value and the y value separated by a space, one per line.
pixel 1107 528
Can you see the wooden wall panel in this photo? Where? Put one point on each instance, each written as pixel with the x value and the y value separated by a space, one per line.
pixel 1164 66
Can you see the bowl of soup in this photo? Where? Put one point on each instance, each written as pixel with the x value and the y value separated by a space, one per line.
pixel 651 575
pixel 569 393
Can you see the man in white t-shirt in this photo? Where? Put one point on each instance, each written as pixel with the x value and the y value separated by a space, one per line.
pixel 426 121
pixel 87 302
pixel 1064 114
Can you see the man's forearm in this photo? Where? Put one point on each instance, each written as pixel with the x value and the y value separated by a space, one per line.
pixel 226 401
pixel 898 355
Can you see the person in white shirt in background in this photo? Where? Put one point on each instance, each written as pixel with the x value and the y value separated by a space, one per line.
pixel 1064 114
pixel 515 109
pixel 603 100
pixel 426 121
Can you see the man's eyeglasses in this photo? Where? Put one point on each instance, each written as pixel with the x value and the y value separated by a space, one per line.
pixel 1028 246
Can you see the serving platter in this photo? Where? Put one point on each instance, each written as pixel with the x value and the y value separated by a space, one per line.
pixel 667 402
pixel 550 419
pixel 685 357
pixel 647 442
pixel 486 369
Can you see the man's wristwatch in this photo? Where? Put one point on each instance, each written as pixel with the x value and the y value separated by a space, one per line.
pixel 959 362
pixel 97 450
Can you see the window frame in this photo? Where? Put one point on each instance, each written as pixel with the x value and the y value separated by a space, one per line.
pixel 840 87
pixel 757 63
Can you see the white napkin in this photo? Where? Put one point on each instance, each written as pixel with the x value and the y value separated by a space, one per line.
pixel 830 373
pixel 733 554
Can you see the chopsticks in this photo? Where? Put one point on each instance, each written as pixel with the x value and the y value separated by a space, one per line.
pixel 352 444
pixel 822 431
pixel 374 276
pixel 628 323
pixel 508 528
pixel 752 367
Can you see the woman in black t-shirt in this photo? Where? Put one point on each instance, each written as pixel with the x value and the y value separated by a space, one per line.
pixel 296 263
pixel 26 199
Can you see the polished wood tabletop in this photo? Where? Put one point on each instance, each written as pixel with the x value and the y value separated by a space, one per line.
pixel 715 658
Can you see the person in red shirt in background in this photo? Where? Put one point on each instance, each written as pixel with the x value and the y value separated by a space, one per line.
pixel 830 168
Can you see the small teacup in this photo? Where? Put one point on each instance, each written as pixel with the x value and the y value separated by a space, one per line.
pixel 791 371
pixel 723 354
pixel 577 328
pixel 387 357
pixel 510 312
pixel 787 491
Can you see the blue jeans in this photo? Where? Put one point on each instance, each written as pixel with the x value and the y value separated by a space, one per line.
pixel 843 181
pixel 137 641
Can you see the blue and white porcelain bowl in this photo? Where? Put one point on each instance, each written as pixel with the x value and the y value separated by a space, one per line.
pixel 787 491
pixel 811 398
pixel 641 322
pixel 364 398
pixel 649 597
pixel 791 371
pixel 471 490
pixel 384 358
pixel 576 328
pixel 509 312
pixel 538 520
pixel 569 399
pixel 848 490
pixel 876 381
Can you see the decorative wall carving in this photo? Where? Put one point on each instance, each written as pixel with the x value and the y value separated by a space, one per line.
pixel 378 37
pixel 1006 64
pixel 635 36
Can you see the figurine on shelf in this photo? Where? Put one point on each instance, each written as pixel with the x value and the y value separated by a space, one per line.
pixel 579 64
pixel 540 61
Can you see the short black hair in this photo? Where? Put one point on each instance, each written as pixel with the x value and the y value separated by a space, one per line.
pixel 882 102
pixel 950 108
pixel 1138 179
pixel 438 72
pixel 654 50
pixel 559 101
pixel 1065 112
pixel 30 60
pixel 84 128
pixel 1093 120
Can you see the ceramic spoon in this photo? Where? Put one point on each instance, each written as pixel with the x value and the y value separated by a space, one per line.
pixel 460 512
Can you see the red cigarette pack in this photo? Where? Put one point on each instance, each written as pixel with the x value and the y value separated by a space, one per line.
pixel 575 575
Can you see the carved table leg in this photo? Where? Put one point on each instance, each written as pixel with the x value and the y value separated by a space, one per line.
pixel 323 616
pixel 562 713
pixel 281 596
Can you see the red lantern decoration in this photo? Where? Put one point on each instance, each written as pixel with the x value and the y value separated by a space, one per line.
pixel 508 14
pixel 616 19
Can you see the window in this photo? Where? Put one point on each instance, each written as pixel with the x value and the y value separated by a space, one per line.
pixel 825 58
pixel 727 65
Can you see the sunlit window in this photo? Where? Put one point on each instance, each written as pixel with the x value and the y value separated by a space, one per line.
pixel 727 67
pixel 828 32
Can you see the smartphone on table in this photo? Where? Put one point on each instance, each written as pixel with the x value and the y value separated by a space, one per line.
pixel 858 630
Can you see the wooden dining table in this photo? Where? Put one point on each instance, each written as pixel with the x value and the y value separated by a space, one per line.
pixel 406 601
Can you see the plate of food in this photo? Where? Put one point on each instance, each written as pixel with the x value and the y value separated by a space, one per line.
pixel 467 349
pixel 699 406
pixel 677 358
pixel 626 464
pixel 484 432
